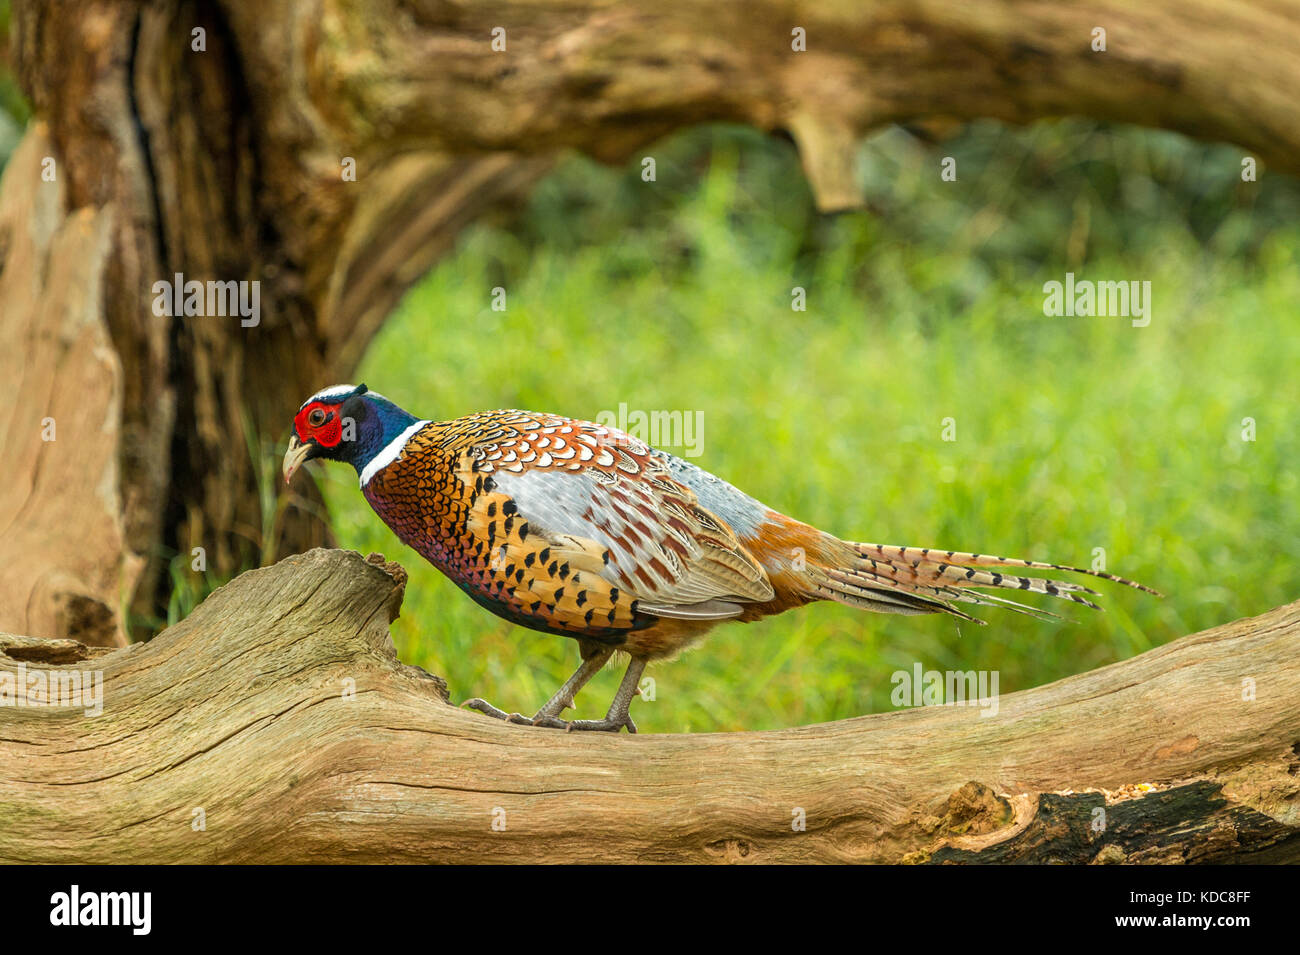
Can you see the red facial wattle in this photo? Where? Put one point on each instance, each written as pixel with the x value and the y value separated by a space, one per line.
pixel 327 434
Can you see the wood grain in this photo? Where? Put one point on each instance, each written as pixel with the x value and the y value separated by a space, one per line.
pixel 241 710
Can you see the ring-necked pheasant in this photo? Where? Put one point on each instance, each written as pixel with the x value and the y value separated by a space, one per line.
pixel 580 530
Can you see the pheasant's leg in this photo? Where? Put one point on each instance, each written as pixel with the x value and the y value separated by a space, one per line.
pixel 549 714
pixel 617 717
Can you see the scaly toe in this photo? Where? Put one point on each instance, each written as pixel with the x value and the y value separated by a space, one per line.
pixel 552 722
pixel 486 708
pixel 607 725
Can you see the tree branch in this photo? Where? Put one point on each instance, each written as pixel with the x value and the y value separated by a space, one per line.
pixel 243 711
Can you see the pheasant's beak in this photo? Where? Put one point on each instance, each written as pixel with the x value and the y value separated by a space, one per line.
pixel 294 457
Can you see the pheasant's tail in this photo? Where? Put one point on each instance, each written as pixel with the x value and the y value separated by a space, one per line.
pixel 928 580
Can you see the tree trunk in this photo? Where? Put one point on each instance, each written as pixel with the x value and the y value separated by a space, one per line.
pixel 275 724
pixel 211 140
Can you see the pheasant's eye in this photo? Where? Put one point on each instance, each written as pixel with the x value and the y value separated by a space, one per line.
pixel 316 418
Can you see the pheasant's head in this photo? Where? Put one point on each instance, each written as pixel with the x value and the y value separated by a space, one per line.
pixel 343 423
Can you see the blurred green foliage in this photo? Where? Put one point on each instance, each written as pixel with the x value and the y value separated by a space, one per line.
pixel 1072 433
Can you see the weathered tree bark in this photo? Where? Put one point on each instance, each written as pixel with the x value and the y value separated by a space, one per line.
pixel 208 140
pixel 275 724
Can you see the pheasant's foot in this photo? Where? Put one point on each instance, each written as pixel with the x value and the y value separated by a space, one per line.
pixel 549 715
pixel 541 719
pixel 617 717
pixel 610 724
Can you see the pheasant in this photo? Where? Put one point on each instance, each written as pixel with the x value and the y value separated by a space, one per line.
pixel 581 530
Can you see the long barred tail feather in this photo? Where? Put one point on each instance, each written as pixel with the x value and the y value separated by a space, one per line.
pixel 937 597
pixel 929 580
pixel 869 593
pixel 936 556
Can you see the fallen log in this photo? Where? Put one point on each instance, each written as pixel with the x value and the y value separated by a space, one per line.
pixel 275 724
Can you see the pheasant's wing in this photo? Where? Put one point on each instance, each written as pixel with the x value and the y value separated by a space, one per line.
pixel 600 500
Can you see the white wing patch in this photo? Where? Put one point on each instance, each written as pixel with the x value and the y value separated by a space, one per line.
pixel 658 547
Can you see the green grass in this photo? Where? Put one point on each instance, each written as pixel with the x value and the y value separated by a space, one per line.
pixel 1072 433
